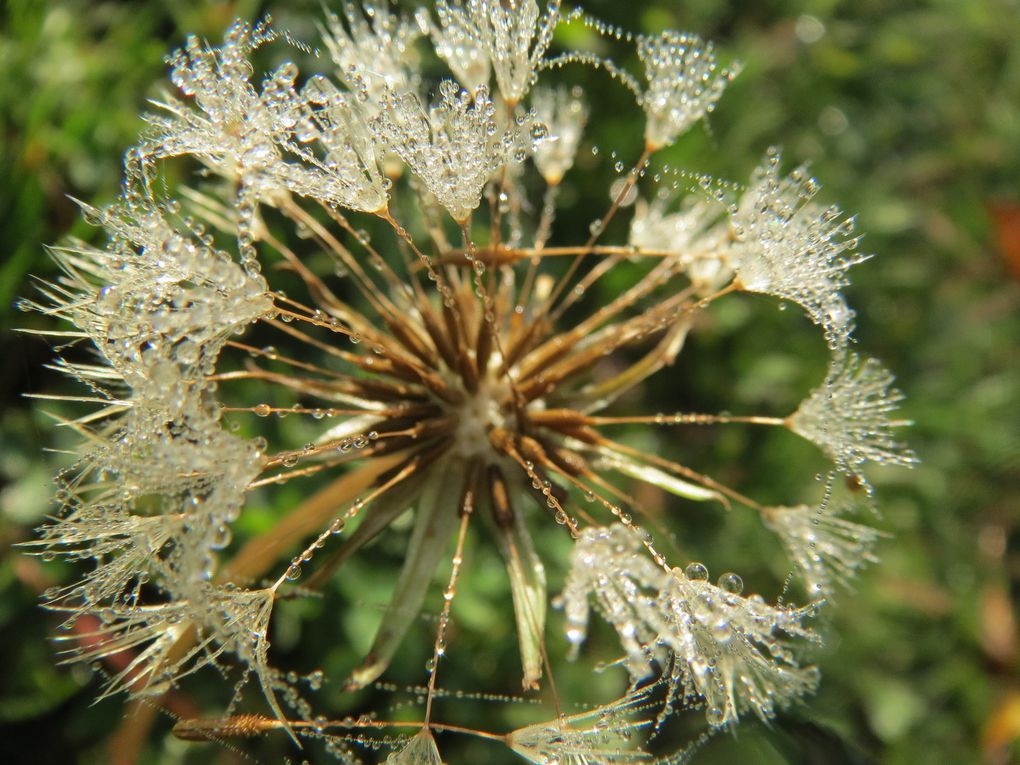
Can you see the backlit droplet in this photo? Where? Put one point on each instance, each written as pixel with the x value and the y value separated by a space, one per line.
pixel 696 572
pixel 732 583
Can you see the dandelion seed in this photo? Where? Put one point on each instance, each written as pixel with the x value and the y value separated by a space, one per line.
pixel 601 735
pixel 791 248
pixel 458 42
pixel 565 114
pixel 453 148
pixel 732 651
pixel 848 415
pixel 420 750
pixel 152 631
pixel 684 84
pixel 104 530
pixel 610 562
pixel 346 173
pixel 235 129
pixel 719 646
pixel 655 229
pixel 373 49
pixel 827 549
pixel 694 236
pixel 237 726
pixel 515 39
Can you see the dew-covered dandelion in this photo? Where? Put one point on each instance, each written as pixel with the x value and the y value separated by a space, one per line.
pixel 370 249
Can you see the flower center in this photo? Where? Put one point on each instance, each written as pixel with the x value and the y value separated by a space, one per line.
pixel 477 415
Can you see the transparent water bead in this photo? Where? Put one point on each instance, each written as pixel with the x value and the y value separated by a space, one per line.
pixel 697 572
pixel 731 583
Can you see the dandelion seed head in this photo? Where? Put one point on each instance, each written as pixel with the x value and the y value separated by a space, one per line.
pixel 434 339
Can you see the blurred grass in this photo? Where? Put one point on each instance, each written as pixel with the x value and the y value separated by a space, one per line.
pixel 909 114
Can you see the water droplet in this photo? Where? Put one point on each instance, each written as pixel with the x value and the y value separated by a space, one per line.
pixel 732 583
pixel 715 715
pixel 315 679
pixel 696 572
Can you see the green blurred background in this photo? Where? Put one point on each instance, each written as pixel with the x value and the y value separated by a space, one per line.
pixel 909 113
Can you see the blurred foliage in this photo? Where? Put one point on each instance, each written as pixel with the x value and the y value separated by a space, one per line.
pixel 909 114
